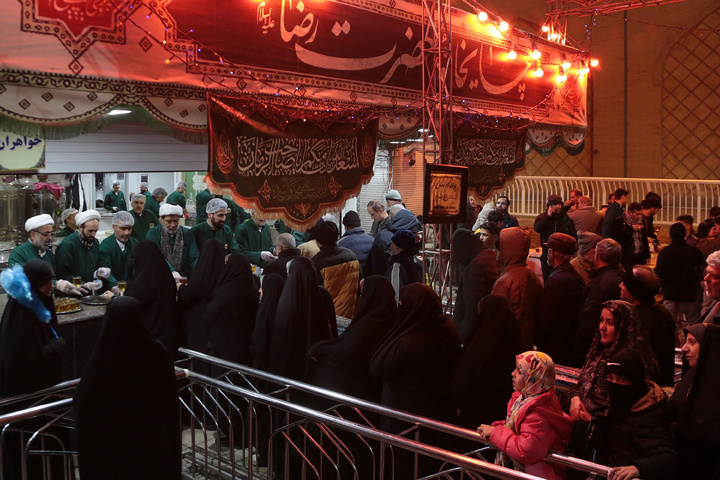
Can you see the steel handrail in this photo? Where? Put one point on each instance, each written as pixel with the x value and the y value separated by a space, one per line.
pixel 559 459
pixel 35 411
pixel 378 435
pixel 60 387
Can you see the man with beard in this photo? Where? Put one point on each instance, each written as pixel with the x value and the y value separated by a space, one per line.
pixel 502 206
pixel 255 241
pixel 214 227
pixel 79 253
pixel 176 243
pixel 116 251
pixel 37 246
pixel 144 219
pixel 629 232
pixel 144 189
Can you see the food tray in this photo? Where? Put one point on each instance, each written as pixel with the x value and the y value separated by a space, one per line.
pixel 71 311
pixel 94 300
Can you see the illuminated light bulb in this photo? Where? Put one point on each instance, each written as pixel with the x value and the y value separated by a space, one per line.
pixel 512 55
pixel 561 78
pixel 482 16
pixel 539 72
pixel 566 65
pixel 585 70
pixel 503 26
pixel 553 36
pixel 535 54
pixel 167 61
pixel 594 62
pixel 545 28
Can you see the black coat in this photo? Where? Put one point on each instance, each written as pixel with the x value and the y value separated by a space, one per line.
pixel 679 267
pixel 623 233
pixel 127 401
pixel 660 327
pixel 557 312
pixel 272 287
pixel 279 265
pixel 343 364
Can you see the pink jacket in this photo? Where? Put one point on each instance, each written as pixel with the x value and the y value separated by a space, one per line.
pixel 542 428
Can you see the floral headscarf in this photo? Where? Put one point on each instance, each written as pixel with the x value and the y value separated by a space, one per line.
pixel 538 370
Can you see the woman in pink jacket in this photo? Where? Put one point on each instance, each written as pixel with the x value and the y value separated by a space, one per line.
pixel 535 424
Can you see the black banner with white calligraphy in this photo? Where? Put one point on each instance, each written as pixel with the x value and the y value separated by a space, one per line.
pixel 492 155
pixel 286 166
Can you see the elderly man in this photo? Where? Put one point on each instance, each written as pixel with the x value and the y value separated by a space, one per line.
pixel 392 197
pixel 380 218
pixel 214 227
pixel 68 219
pixel 178 196
pixel 502 206
pixel 115 199
pixel 38 244
pixel 144 219
pixel 639 287
pixel 116 251
pixel 583 263
pixel 400 219
pixel 559 304
pixel 176 243
pixel 285 249
pixel 255 241
pixel 586 217
pixel 78 254
pixel 339 268
pixel 356 240
pixel 152 204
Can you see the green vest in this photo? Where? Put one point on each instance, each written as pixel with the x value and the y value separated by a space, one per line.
pixel 121 263
pixel 73 258
pixel 113 200
pixel 22 254
pixel 225 236
pixel 176 198
pixel 143 223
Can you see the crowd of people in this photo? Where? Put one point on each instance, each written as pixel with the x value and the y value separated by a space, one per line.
pixel 595 310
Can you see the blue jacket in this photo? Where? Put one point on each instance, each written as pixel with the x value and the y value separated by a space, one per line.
pixel 359 242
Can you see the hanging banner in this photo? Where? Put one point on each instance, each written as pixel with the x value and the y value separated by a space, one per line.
pixel 286 166
pixel 20 152
pixel 492 155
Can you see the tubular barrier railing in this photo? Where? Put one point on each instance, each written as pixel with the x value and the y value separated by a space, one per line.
pixel 693 197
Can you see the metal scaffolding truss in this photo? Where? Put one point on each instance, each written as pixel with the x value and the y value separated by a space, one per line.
pixel 437 81
pixel 590 7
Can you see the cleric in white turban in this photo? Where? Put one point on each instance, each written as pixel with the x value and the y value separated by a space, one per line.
pixel 214 227
pixel 37 246
pixel 78 253
pixel 176 242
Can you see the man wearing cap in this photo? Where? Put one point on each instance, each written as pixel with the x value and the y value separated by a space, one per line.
pixel 392 197
pixel 152 204
pixel 586 217
pixel 144 219
pixel 214 227
pixel 604 285
pixel 552 220
pixel 38 244
pixel 178 196
pixel 403 269
pixel 201 200
pixel 78 254
pixel 176 243
pixel 115 199
pixel 255 240
pixel 639 287
pixel 67 218
pixel 380 217
pixel 116 251
pixel 144 189
pixel 559 304
pixel 339 268
pixel 583 262
pixel 356 239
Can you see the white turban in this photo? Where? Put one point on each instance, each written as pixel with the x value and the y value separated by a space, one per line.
pixel 123 219
pixel 33 223
pixel 170 209
pixel 83 217
pixel 216 205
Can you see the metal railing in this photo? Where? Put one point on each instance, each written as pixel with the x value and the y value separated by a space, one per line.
pixel 679 197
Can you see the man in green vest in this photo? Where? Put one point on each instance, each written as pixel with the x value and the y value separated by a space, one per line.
pixel 115 200
pixel 176 243
pixel 178 196
pixel 214 227
pixel 201 201
pixel 116 251
pixel 78 254
pixel 144 189
pixel 255 241
pixel 67 218
pixel 37 246
pixel 144 219
pixel 152 204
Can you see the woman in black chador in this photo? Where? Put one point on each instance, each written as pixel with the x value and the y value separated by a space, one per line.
pixel 272 287
pixel 305 315
pixel 154 288
pixel 126 404
pixel 193 298
pixel 230 314
pixel 343 364
pixel 480 386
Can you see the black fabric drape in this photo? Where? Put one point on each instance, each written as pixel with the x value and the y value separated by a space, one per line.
pixel 193 298
pixel 343 364
pixel 231 310
pixel 272 287
pixel 126 404
pixel 154 288
pixel 305 315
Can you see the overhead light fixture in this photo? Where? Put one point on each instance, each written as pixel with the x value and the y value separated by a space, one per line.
pixel 482 16
pixel 503 26
pixel 535 53
pixel 594 62
pixel 545 28
pixel 539 71
pixel 118 111
pixel 566 63
pixel 512 54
